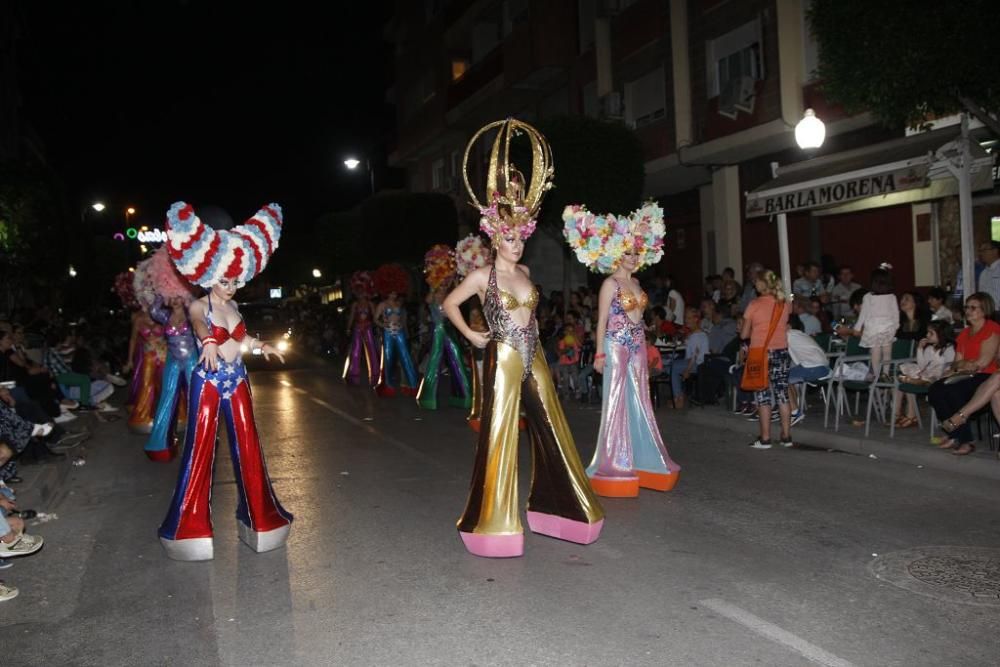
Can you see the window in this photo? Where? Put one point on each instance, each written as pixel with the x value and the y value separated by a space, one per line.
pixel 645 98
pixel 459 66
pixel 437 174
pixel 734 55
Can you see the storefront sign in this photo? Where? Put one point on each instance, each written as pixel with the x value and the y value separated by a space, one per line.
pixel 815 195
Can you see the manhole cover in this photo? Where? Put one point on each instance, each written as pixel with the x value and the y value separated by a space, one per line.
pixel 969 575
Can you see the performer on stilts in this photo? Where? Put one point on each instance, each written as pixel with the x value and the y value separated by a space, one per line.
pixel 173 296
pixel 392 282
pixel 439 271
pixel 515 374
pixel 630 452
pixel 149 347
pixel 471 254
pixel 222 261
pixel 359 327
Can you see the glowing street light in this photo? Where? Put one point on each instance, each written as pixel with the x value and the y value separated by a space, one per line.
pixel 72 271
pixel 317 273
pixel 130 210
pixel 98 206
pixel 352 163
pixel 810 131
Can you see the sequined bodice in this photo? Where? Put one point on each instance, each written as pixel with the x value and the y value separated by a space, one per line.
pixel 510 301
pixel 630 301
pixel 504 329
pixel 621 328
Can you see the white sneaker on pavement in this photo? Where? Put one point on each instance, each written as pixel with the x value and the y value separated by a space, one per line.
pixel 7 592
pixel 41 430
pixel 64 417
pixel 116 380
pixel 106 407
pixel 757 444
pixel 22 545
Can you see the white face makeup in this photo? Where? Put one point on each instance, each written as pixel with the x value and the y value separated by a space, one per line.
pixel 225 289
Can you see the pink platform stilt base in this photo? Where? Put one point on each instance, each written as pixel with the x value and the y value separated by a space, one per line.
pixel 493 546
pixel 564 529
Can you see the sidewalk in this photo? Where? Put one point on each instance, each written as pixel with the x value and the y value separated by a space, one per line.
pixel 911 446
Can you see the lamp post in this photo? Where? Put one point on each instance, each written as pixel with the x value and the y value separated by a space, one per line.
pixel 353 163
pixel 810 132
pixel 317 273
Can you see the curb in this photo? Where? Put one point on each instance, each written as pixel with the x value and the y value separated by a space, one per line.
pixel 983 464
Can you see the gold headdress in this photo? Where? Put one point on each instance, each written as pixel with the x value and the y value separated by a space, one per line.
pixel 508 207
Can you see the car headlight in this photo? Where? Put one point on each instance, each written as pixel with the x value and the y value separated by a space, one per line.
pixel 283 345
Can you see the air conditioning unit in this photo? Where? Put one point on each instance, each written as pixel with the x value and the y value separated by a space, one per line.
pixel 612 107
pixel 738 94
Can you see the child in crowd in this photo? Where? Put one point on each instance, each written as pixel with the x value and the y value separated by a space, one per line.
pixel 934 355
pixel 878 320
pixel 569 357
pixel 695 349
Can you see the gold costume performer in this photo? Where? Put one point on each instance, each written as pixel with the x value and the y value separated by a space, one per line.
pixel 515 374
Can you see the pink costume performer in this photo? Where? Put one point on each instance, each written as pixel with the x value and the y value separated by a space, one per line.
pixel 221 261
pixel 362 332
pixel 630 452
pixel 516 376
pixel 150 353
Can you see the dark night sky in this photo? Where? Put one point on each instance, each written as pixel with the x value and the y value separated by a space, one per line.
pixel 223 102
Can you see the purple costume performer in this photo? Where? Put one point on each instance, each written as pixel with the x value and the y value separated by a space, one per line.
pixel 362 333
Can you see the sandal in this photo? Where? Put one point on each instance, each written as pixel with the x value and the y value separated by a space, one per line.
pixel 947 443
pixel 964 449
pixel 953 422
pixel 906 422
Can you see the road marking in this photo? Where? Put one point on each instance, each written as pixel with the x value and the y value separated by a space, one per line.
pixel 776 634
pixel 398 444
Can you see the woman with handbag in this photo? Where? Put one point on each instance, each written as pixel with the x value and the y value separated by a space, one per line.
pixel 765 323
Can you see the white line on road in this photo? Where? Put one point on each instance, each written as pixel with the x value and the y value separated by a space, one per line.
pixel 776 634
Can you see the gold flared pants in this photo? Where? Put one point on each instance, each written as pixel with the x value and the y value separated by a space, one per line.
pixel 559 485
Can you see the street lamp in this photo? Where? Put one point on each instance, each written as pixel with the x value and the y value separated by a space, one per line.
pixel 317 273
pixel 72 271
pixel 810 131
pixel 353 163
pixel 98 206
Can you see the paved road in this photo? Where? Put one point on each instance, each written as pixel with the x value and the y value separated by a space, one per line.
pixel 756 558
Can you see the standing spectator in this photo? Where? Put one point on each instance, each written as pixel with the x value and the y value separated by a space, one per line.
pixel 937 301
pixel 989 279
pixel 729 274
pixel 840 295
pixel 749 286
pixel 569 358
pixel 674 305
pixel 810 284
pixel 756 323
pixel 878 320
pixel 695 349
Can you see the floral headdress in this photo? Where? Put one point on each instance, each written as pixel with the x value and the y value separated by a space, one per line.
pixel 391 278
pixel 204 255
pixel 599 241
pixel 511 203
pixel 362 284
pixel 166 281
pixel 124 289
pixel 142 283
pixel 439 265
pixel 470 254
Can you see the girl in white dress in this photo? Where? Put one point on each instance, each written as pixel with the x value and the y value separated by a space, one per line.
pixel 878 320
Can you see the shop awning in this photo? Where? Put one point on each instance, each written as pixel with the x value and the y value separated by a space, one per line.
pixel 872 173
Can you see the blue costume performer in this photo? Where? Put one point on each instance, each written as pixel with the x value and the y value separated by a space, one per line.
pixel 221 261
pixel 439 272
pixel 392 282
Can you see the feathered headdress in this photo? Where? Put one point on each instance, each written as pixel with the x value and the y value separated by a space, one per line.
pixel 166 281
pixel 392 278
pixel 511 203
pixel 125 291
pixel 362 285
pixel 439 265
pixel 204 255
pixel 599 241
pixel 470 254
pixel 142 284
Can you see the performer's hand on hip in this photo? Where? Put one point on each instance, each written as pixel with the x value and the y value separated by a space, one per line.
pixel 267 350
pixel 209 356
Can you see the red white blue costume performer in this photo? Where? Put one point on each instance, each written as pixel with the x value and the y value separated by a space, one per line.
pixel 221 261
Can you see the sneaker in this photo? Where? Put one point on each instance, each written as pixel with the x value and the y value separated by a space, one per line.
pixel 760 444
pixel 68 404
pixel 741 409
pixel 7 592
pixel 116 380
pixel 753 417
pixel 6 563
pixel 41 430
pixel 797 417
pixel 23 545
pixel 749 409
pixel 787 443
pixel 106 407
pixel 64 417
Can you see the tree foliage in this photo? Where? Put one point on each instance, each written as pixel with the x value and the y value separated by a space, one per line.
pixel 908 61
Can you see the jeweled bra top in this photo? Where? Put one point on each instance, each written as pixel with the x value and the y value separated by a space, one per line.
pixel 503 328
pixel 632 302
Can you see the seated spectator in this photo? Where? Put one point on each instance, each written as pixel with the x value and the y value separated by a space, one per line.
pixel 913 317
pixel 722 328
pixel 840 295
pixel 935 353
pixel 729 301
pixel 937 300
pixel 810 323
pixel 659 325
pixel 654 360
pixel 78 386
pixel 817 310
pixel 13 540
pixel 723 351
pixel 809 363
pixel 32 379
pixel 810 284
pixel 695 349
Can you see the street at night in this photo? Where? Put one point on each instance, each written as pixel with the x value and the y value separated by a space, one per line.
pixel 754 558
